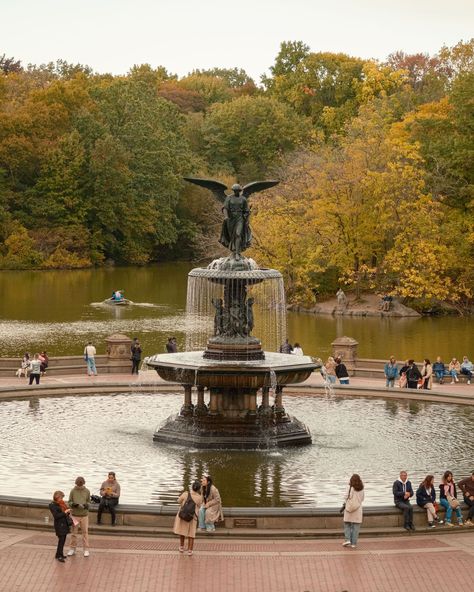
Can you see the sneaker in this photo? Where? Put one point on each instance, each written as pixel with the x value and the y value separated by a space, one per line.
pixel 346 543
pixel 353 546
pixel 449 523
pixel 71 552
pixel 452 382
pixel 438 521
pixel 181 549
pixel 431 525
pixel 86 553
pixel 468 382
pixel 469 523
pixel 456 379
pixel 190 552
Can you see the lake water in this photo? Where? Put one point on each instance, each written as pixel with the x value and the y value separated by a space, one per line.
pixel 60 310
pixel 44 450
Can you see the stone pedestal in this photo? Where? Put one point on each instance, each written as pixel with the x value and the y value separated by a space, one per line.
pixel 118 352
pixel 346 349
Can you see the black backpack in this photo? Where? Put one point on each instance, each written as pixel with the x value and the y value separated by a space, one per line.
pixel 188 511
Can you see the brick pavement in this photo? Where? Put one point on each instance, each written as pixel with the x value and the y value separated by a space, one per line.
pixel 149 564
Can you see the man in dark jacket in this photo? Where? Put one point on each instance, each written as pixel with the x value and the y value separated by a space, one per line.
pixel 402 492
pixel 413 375
pixel 467 488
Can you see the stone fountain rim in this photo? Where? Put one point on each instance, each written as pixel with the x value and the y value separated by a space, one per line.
pixel 250 274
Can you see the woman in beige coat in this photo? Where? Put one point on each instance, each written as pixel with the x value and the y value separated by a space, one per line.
pixel 211 510
pixel 353 511
pixel 427 374
pixel 188 529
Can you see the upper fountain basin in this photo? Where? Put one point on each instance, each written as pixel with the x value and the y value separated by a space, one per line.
pixel 192 368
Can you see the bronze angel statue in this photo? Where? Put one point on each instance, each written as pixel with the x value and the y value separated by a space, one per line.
pixel 236 234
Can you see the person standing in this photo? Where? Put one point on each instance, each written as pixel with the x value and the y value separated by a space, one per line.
pixel 402 492
pixel 448 498
pixel 79 500
pixel 110 494
pixel 391 372
pixel 136 355
pixel 341 371
pixel 89 356
pixel 186 529
pixel 353 511
pixel 467 488
pixel 211 510
pixel 427 374
pixel 403 383
pixel 62 522
pixel 35 369
pixel 44 360
pixel 171 345
pixel 426 498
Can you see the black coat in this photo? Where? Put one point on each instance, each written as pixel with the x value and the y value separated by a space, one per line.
pixel 61 526
pixel 423 497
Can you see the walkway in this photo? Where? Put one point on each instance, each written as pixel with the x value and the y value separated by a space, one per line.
pixel 150 376
pixel 150 564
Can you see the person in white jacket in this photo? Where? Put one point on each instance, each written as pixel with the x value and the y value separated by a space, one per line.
pixel 353 511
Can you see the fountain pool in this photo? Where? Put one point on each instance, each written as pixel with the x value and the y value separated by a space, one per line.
pixel 47 442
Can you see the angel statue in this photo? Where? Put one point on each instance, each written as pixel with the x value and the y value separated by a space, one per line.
pixel 236 234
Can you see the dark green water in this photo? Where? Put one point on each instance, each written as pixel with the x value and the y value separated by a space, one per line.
pixel 60 310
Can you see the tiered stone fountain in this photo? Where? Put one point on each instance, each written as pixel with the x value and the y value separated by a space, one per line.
pixel 233 371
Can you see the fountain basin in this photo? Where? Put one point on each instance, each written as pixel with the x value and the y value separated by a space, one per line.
pixel 191 368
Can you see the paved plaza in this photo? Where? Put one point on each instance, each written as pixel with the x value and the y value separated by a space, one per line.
pixel 133 564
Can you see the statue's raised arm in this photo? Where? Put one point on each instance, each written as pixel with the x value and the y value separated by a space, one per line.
pixel 236 234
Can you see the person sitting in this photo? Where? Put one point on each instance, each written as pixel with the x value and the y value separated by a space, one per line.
pixel 286 348
pixel 439 370
pixel 110 493
pixel 426 498
pixel 341 371
pixel 402 492
pixel 413 375
pixel 330 367
pixel 297 350
pixel 454 369
pixel 427 374
pixel 467 368
pixel 448 498
pixel 467 488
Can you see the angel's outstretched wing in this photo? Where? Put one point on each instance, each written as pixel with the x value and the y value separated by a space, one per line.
pixel 258 186
pixel 218 189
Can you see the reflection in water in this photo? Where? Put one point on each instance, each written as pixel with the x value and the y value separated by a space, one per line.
pixel 375 438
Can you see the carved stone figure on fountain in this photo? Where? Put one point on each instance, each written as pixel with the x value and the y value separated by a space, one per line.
pixel 249 316
pixel 219 316
pixel 236 234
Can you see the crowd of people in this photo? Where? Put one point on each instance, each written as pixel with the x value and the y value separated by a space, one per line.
pixel 200 507
pixel 410 376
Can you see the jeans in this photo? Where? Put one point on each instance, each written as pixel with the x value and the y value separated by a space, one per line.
pixel 466 372
pixel 344 380
pixel 202 520
pixel 35 377
pixel 135 365
pixel 91 369
pixel 449 511
pixel 331 378
pixel 390 382
pixel 407 510
pixel 453 373
pixel 351 532
pixel 440 374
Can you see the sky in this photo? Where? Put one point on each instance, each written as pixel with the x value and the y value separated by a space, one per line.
pixel 182 35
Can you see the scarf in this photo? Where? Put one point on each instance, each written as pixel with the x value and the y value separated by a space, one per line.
pixel 449 488
pixel 62 504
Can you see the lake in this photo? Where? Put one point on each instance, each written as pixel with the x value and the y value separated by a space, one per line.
pixel 61 310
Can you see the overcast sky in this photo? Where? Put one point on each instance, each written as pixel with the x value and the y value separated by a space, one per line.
pixel 113 35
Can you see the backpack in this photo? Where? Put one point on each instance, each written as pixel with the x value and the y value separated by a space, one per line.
pixel 188 511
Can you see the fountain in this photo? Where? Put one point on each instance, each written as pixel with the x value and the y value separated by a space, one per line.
pixel 233 368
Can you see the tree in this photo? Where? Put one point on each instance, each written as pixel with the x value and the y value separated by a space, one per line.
pixel 247 136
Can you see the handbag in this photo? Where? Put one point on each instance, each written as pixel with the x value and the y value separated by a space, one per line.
pixel 452 501
pixel 342 508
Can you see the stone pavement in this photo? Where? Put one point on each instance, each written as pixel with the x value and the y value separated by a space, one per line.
pixel 127 564
pixel 150 376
